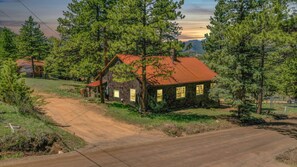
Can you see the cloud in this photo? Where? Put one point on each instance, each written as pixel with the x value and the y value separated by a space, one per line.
pixel 7 1
pixel 11 23
pixel 196 9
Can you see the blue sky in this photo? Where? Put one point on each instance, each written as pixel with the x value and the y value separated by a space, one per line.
pixel 13 14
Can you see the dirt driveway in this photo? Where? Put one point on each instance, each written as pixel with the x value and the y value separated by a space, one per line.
pixel 88 122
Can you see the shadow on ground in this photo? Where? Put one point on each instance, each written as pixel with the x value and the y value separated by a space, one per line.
pixel 284 127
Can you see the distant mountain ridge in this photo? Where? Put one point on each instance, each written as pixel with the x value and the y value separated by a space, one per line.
pixel 196 47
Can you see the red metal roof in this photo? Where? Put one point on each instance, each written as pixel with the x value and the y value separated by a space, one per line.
pixel 185 70
pixel 23 62
pixel 94 84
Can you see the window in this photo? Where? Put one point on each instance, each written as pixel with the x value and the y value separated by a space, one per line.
pixel 212 85
pixel 116 93
pixel 132 95
pixel 200 89
pixel 159 95
pixel 180 92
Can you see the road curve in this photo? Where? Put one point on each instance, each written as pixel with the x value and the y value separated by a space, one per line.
pixel 236 147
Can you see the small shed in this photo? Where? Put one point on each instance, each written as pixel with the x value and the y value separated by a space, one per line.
pixel 25 66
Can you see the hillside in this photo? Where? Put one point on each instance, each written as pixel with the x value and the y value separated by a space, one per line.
pixel 196 47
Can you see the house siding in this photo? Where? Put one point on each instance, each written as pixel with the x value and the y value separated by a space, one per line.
pixel 124 89
pixel 191 99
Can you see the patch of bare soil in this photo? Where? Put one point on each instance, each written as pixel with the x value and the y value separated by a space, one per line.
pixel 88 122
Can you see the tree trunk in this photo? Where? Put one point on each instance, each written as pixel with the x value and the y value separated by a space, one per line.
pixel 144 90
pixel 101 88
pixel 105 50
pixel 33 66
pixel 143 68
pixel 261 83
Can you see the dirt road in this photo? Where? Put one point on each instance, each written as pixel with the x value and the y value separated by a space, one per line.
pixel 240 147
pixel 88 122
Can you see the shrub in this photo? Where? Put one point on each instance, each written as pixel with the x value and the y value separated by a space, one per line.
pixel 172 130
pixel 13 89
pixel 157 107
pixel 25 142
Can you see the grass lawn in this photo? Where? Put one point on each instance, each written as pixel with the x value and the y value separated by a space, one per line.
pixel 184 122
pixel 32 126
pixel 290 109
pixel 59 87
pixel 192 121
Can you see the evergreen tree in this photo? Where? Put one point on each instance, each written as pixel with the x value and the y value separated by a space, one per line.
pixel 13 89
pixel 87 33
pixel 286 73
pixel 246 50
pixel 7 44
pixel 32 42
pixel 267 42
pixel 227 52
pixel 147 27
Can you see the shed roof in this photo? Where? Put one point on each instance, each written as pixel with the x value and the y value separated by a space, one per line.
pixel 94 84
pixel 185 70
pixel 24 62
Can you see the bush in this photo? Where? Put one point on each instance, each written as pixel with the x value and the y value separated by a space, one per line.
pixel 13 89
pixel 157 107
pixel 172 130
pixel 25 142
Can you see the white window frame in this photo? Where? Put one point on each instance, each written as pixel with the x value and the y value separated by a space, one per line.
pixel 183 92
pixel 159 95
pixel 200 89
pixel 116 93
pixel 133 91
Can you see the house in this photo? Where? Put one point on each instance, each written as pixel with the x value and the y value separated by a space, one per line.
pixel 188 85
pixel 25 66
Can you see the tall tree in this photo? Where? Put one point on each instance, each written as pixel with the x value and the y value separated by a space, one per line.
pixel 267 42
pixel 32 42
pixel 246 49
pixel 286 73
pixel 227 52
pixel 147 27
pixel 86 33
pixel 7 44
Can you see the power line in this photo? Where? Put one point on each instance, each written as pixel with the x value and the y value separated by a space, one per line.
pixel 5 14
pixel 37 17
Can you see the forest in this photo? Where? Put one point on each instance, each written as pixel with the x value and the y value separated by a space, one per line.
pixel 251 44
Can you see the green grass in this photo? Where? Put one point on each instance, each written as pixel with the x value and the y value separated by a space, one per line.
pixel 63 88
pixel 281 108
pixel 32 125
pixel 186 121
pixel 192 121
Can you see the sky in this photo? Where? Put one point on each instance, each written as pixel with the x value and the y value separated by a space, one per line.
pixel 13 14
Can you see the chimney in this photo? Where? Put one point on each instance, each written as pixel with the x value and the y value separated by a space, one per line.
pixel 173 55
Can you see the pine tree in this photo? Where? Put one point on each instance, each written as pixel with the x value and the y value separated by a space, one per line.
pixel 13 89
pixel 267 42
pixel 87 32
pixel 286 73
pixel 227 52
pixel 246 50
pixel 7 44
pixel 147 27
pixel 32 42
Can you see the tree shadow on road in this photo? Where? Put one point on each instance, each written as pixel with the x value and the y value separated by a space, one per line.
pixel 283 127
